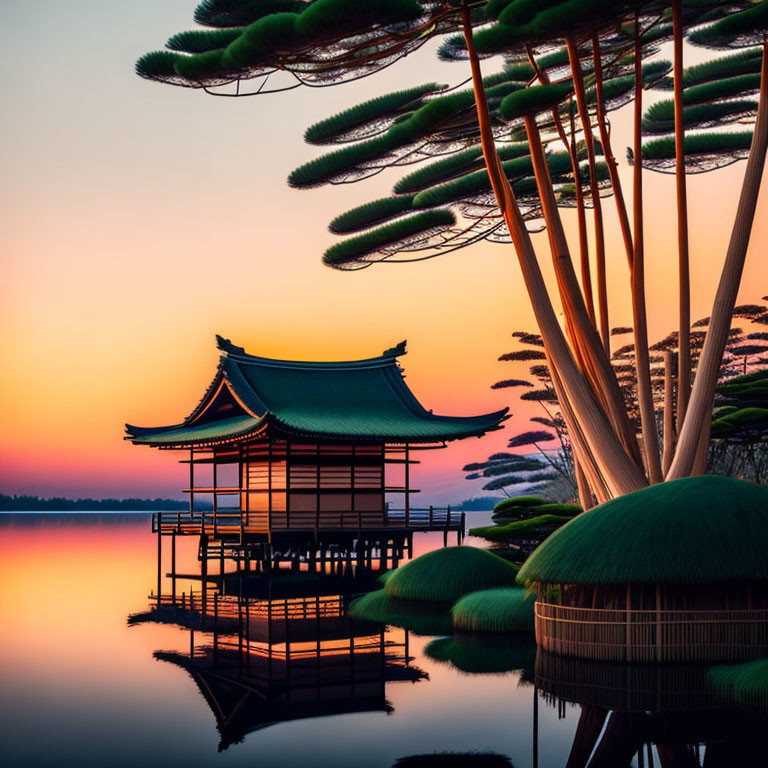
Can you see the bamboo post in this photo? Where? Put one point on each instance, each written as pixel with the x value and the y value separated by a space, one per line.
pixel 669 414
pixel 287 484
pixel 317 494
pixel 204 571
pixel 173 567
pixel 658 622
pixel 629 622
pixel 407 486
pixel 215 627
pixel 535 726
pixel 269 491
pixel 191 482
pixel 684 339
pixel 215 495
pixel 159 563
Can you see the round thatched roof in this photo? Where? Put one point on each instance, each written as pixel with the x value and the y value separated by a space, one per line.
pixel 696 530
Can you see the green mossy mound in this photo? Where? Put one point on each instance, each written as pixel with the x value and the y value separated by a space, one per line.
pixel 445 575
pixel 541 524
pixel 504 609
pixel 744 684
pixel 480 656
pixel 454 760
pixel 516 502
pixel 419 617
pixel 507 513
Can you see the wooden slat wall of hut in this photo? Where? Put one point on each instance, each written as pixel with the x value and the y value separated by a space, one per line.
pixel 304 486
pixel 652 636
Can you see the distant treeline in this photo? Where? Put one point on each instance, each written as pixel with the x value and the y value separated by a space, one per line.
pixel 481 503
pixel 59 504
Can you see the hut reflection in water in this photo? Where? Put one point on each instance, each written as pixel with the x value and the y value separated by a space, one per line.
pixel 648 715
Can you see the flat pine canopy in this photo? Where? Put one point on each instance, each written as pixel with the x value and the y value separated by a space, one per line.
pixel 360 400
pixel 696 530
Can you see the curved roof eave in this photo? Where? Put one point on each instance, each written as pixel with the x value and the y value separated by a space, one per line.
pixel 372 404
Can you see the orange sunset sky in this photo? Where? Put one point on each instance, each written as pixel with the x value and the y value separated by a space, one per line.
pixel 138 220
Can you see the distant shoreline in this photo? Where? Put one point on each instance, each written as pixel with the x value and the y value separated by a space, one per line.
pixel 77 511
pixel 28 503
pixel 58 505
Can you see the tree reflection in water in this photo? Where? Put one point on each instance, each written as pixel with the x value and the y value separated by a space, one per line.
pixel 649 715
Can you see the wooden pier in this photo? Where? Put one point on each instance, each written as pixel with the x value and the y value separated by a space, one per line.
pixel 226 523
pixel 225 536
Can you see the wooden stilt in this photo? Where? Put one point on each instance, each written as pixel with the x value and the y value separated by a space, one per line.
pixel 204 574
pixel 159 564
pixel 535 727
pixel 173 568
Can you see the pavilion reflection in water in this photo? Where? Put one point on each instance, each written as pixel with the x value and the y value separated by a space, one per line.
pixel 269 648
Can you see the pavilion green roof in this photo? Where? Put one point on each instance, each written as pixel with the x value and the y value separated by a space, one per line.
pixel 696 530
pixel 360 400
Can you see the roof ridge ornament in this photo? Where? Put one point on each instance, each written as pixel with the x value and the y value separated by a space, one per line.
pixel 226 346
pixel 397 350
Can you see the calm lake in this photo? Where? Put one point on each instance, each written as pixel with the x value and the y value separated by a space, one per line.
pixel 80 686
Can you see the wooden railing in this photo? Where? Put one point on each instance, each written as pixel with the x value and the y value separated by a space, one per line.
pixel 426 518
pixel 232 607
pixel 232 521
pixel 651 635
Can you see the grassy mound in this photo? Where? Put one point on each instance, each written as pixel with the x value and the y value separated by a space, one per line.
pixel 468 654
pixel 447 574
pixel 745 684
pixel 506 609
pixel 527 507
pixel 454 760
pixel 517 502
pixel 541 524
pixel 418 617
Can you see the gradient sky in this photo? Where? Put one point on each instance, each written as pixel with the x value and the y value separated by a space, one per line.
pixel 137 220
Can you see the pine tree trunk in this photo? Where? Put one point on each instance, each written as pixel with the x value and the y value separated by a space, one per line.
pixel 620 473
pixel 581 216
pixel 591 353
pixel 597 209
pixel 694 433
pixel 610 159
pixel 684 280
pixel 669 413
pixel 642 362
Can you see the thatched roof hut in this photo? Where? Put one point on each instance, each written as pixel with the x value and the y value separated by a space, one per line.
pixel 673 572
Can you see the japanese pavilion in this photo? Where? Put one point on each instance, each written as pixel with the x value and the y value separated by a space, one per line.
pixel 307 444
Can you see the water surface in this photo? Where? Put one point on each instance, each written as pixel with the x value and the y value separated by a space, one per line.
pixel 79 686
